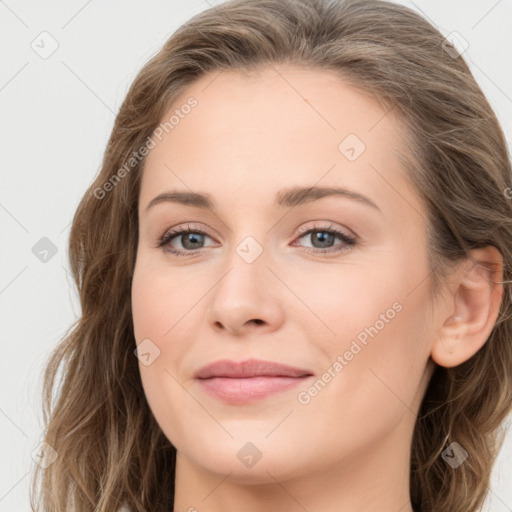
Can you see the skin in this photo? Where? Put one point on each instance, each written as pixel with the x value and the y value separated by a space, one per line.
pixel 348 448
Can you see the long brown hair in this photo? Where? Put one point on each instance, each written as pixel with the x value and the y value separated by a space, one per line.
pixel 111 452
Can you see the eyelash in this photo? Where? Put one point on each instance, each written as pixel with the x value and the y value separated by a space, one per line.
pixel 166 239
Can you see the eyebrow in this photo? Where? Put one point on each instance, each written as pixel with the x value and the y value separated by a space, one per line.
pixel 290 197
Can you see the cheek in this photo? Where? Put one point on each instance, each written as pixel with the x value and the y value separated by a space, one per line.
pixel 148 305
pixel 155 311
pixel 382 341
pixel 159 300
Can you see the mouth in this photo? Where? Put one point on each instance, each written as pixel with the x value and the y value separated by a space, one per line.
pixel 248 381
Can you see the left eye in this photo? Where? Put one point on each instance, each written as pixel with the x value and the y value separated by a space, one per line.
pixel 324 237
pixel 192 240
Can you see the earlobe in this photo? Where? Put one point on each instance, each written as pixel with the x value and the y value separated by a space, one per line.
pixel 473 308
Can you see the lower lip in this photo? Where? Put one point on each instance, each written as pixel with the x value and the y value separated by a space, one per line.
pixel 250 389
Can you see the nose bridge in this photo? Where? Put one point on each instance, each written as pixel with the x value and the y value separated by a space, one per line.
pixel 246 290
pixel 246 271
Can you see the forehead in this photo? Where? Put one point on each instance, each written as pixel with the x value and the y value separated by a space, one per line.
pixel 273 128
pixel 283 104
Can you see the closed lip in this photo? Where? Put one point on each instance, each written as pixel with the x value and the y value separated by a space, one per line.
pixel 249 368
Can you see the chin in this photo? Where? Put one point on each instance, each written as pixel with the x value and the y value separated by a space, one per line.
pixel 245 462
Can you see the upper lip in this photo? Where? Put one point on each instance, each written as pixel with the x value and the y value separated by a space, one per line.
pixel 248 368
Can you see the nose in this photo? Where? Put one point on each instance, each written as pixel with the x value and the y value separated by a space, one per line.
pixel 247 297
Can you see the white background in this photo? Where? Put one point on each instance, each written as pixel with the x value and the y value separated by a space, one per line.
pixel 56 117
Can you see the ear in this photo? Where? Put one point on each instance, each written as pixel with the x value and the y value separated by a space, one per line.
pixel 473 308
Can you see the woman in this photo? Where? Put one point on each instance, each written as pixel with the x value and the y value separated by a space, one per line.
pixel 302 230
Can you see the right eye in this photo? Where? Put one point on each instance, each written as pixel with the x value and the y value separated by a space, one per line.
pixel 189 238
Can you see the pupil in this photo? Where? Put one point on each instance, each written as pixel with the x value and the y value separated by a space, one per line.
pixel 324 238
pixel 191 237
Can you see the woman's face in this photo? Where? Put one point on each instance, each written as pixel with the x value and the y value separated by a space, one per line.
pixel 347 303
